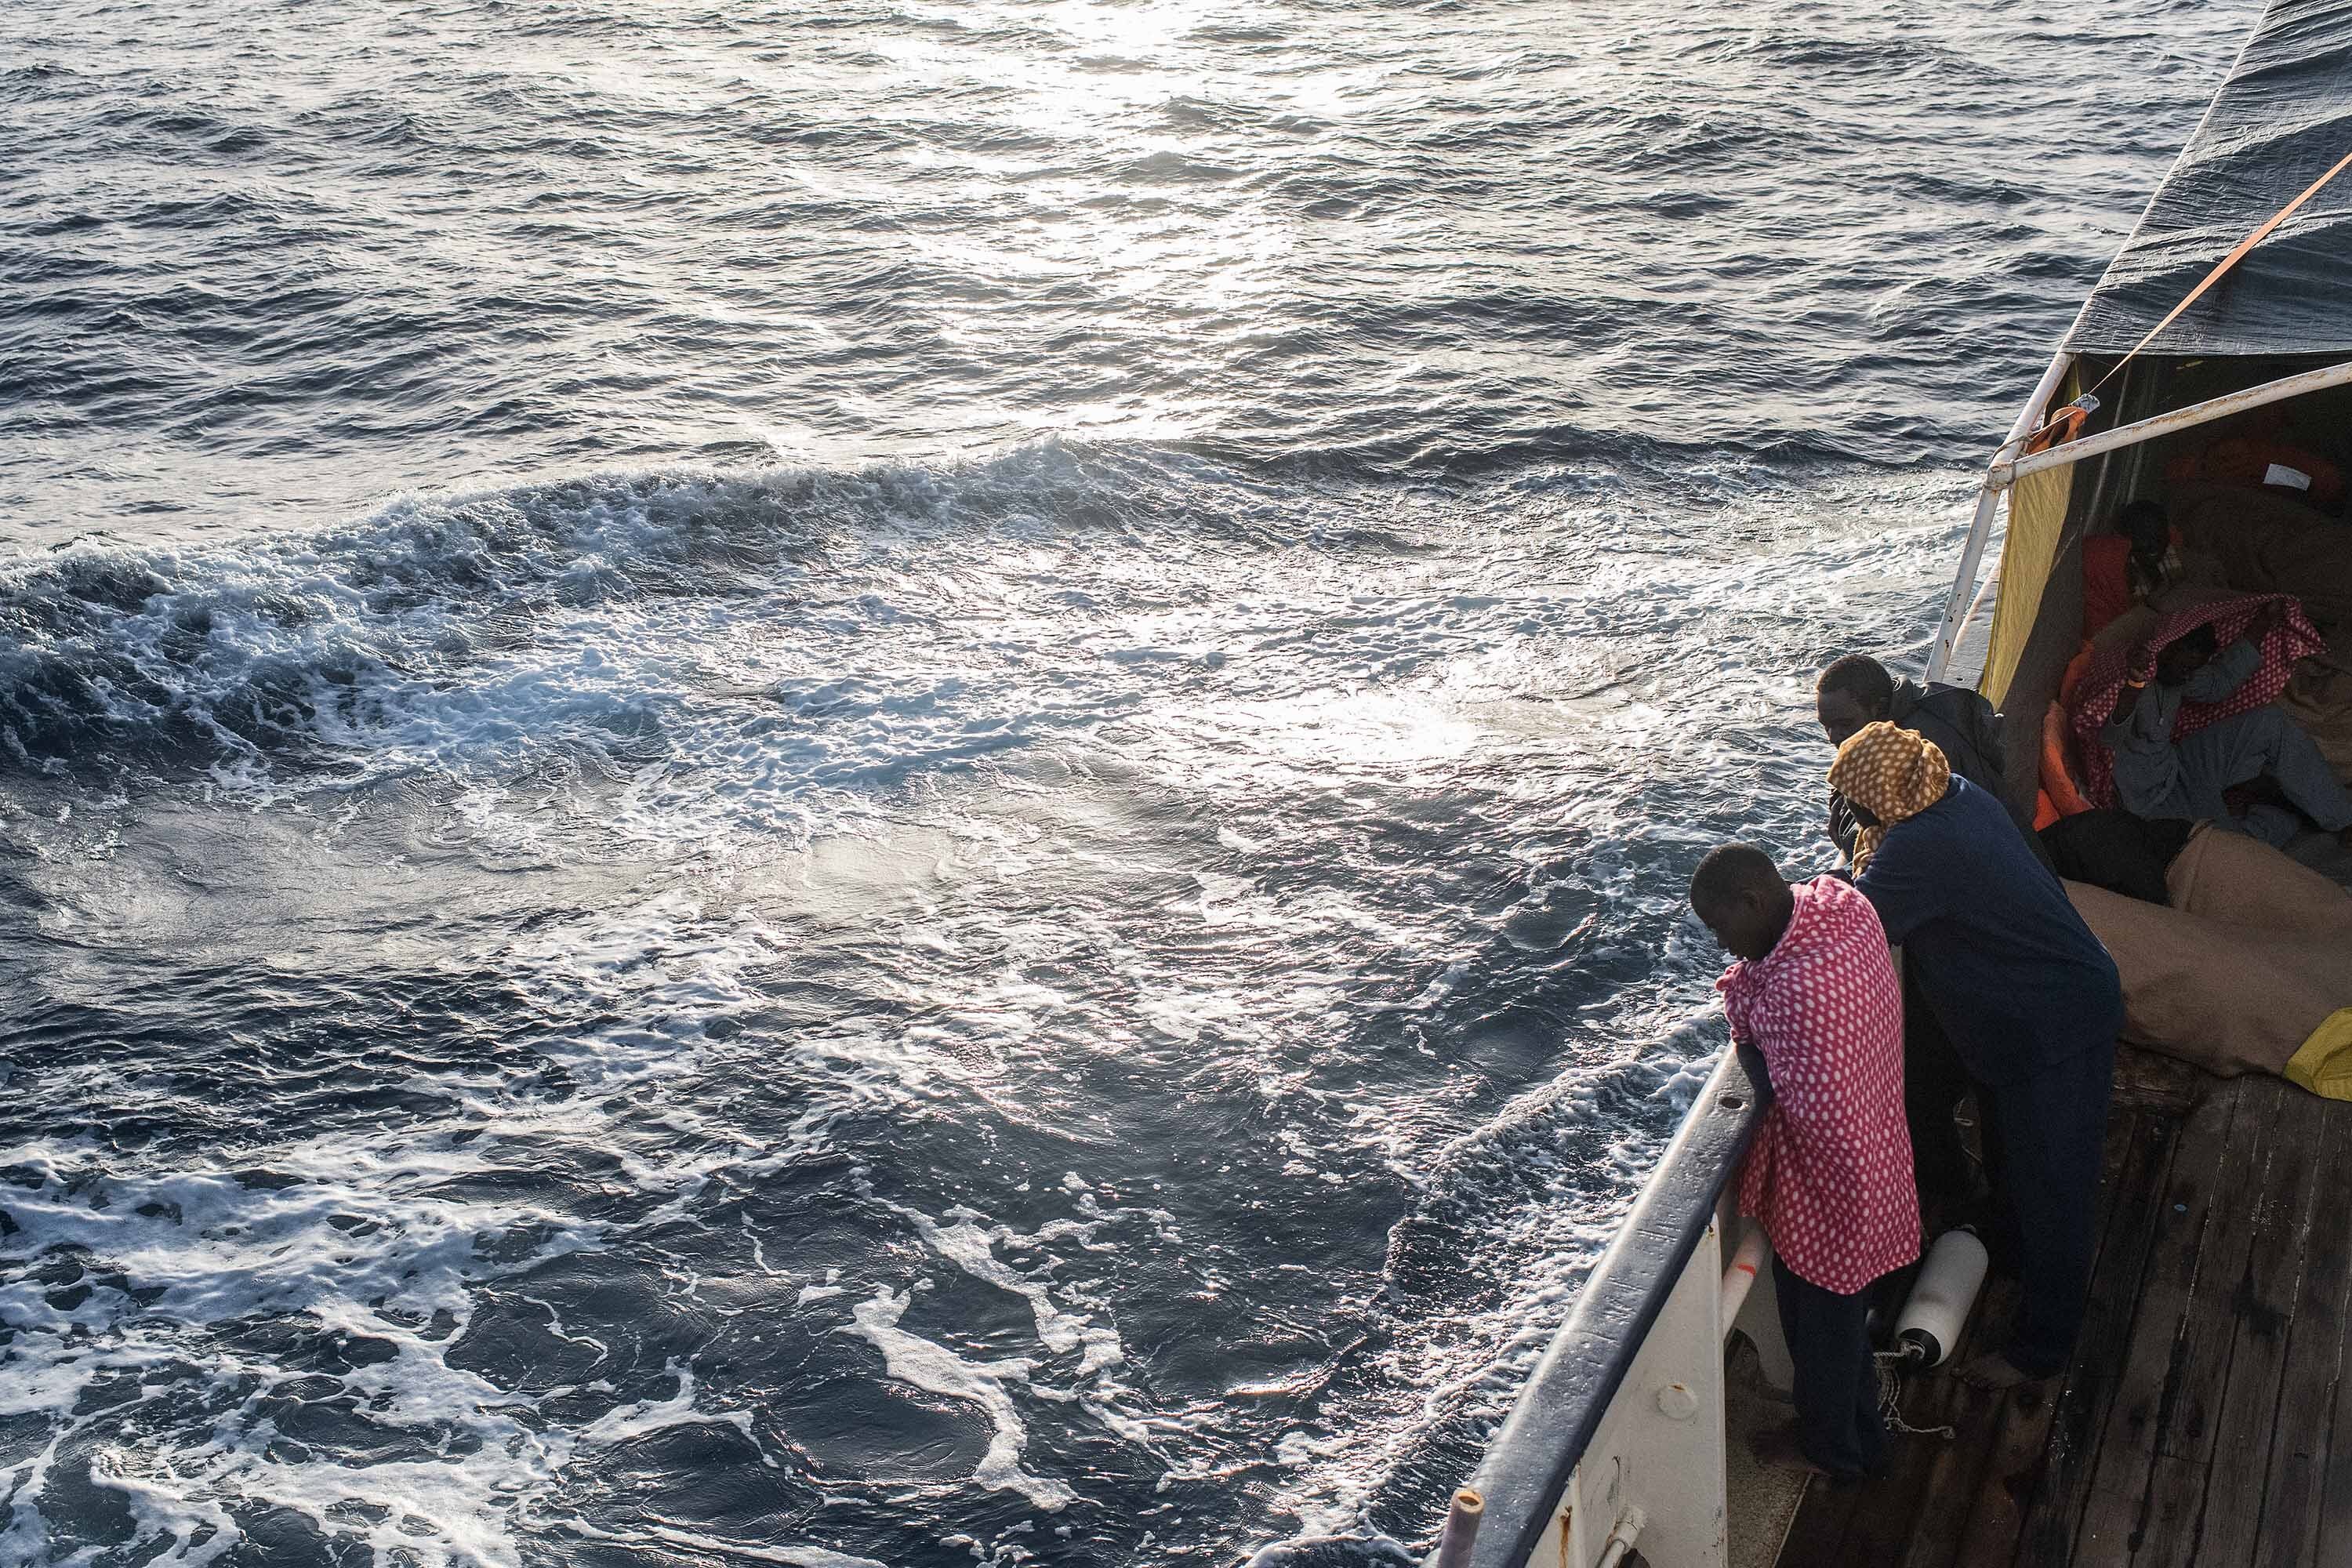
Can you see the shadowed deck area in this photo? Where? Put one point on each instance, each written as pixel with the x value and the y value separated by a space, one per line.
pixel 2207 1416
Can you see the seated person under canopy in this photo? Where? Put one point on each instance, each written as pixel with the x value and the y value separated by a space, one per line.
pixel 2138 558
pixel 2157 775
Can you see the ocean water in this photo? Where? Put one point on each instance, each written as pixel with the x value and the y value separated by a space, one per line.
pixel 908 785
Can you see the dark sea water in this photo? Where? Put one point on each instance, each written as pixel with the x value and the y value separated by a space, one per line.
pixel 908 783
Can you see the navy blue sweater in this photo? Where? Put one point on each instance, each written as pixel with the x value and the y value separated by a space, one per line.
pixel 2014 975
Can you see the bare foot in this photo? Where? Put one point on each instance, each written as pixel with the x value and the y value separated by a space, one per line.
pixel 1995 1372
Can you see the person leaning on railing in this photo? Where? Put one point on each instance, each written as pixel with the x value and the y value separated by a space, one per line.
pixel 1818 1018
pixel 1854 691
pixel 2032 1002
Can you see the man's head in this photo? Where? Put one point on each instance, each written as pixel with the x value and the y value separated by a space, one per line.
pixel 1852 691
pixel 1738 893
pixel 2185 656
pixel 2144 524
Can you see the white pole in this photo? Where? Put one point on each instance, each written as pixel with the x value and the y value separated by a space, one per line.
pixel 1621 1540
pixel 1755 1252
pixel 2003 475
pixel 1947 630
pixel 1957 603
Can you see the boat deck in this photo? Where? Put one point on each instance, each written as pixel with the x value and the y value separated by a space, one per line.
pixel 2208 1415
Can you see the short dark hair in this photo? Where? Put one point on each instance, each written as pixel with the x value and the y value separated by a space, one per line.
pixel 2142 516
pixel 1730 869
pixel 1862 678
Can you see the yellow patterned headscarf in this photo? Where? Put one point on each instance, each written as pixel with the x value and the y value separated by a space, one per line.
pixel 1893 774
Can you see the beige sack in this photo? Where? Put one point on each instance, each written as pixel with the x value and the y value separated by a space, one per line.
pixel 2232 877
pixel 2228 996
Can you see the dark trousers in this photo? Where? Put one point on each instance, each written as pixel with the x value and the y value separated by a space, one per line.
pixel 1932 1082
pixel 2043 1142
pixel 1838 1423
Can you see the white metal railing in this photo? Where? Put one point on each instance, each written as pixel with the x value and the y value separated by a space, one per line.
pixel 1617 1438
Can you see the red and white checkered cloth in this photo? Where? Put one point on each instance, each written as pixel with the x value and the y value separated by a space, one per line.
pixel 1830 1174
pixel 2275 620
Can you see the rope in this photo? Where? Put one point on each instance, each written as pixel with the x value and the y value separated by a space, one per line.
pixel 1890 1399
pixel 2197 293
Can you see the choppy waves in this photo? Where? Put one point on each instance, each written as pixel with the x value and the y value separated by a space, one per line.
pixel 985 860
pixel 598 624
pixel 268 269
pixel 1088 991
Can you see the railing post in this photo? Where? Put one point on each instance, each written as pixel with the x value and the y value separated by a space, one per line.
pixel 1964 581
pixel 1462 1518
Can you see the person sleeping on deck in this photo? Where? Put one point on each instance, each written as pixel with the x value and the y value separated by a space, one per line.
pixel 2160 776
pixel 1818 1020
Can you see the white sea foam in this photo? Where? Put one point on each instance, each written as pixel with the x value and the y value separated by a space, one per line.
pixel 354 1233
pixel 738 1550
pixel 238 1255
pixel 934 1368
pixel 1182 869
pixel 629 1422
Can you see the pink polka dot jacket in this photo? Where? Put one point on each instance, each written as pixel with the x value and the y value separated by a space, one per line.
pixel 1830 1174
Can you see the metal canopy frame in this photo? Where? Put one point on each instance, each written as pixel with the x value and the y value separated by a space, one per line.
pixel 1961 602
pixel 2004 474
pixel 2007 467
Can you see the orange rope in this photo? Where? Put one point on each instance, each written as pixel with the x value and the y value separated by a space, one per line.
pixel 2211 278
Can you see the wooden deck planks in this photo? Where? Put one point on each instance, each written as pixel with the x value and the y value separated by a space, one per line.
pixel 2007 1482
pixel 2262 1308
pixel 1954 1473
pixel 2288 1527
pixel 1818 1532
pixel 2167 1533
pixel 2022 1421
pixel 2197 1370
pixel 2124 1445
pixel 1956 1503
pixel 2047 1488
pixel 2207 1416
pixel 2333 1548
pixel 1874 1523
pixel 1875 1533
pixel 1947 1469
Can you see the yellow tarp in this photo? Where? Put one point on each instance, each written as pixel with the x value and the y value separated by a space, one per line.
pixel 2037 513
pixel 2324 1064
